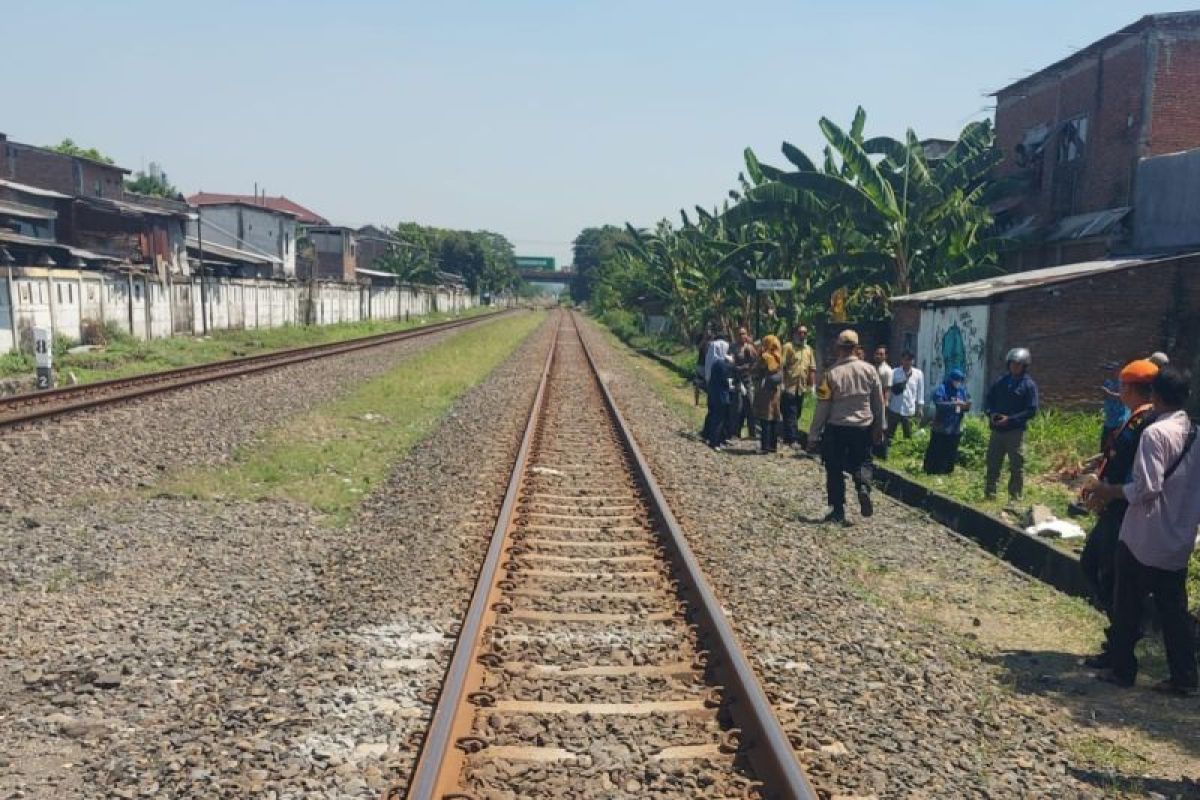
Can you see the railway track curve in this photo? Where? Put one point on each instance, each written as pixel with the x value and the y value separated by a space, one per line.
pixel 594 661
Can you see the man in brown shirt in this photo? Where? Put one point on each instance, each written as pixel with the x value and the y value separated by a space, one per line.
pixel 848 420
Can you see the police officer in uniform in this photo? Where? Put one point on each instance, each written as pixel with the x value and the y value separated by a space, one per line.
pixel 847 422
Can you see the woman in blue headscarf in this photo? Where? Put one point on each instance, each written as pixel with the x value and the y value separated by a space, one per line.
pixel 951 404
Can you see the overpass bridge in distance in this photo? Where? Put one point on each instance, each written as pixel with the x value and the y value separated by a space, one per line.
pixel 532 275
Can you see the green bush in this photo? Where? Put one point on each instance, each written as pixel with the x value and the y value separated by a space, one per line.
pixel 60 344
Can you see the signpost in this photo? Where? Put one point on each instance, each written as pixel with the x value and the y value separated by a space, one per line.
pixel 43 357
pixel 773 284
pixel 544 263
pixel 767 285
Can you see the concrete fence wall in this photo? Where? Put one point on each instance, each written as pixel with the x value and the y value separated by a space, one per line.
pixel 68 301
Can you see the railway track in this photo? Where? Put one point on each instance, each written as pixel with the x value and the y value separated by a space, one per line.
pixel 21 409
pixel 594 661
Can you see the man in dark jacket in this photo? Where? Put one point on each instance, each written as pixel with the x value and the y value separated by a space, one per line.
pixel 1010 404
pixel 1098 559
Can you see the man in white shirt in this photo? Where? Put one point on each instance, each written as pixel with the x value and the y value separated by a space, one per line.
pixel 906 399
pixel 885 382
pixel 1158 534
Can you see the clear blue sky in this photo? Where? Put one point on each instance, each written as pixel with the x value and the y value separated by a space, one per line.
pixel 533 118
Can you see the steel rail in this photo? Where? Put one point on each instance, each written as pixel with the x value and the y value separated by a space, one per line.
pixel 438 746
pixel 768 748
pixel 30 407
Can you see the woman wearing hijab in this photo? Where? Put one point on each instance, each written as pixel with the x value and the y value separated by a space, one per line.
pixel 768 376
pixel 718 378
pixel 951 404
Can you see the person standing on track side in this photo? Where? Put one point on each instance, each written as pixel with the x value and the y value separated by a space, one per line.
pixel 744 359
pixel 799 371
pixel 718 373
pixel 1098 559
pixel 1158 535
pixel 848 420
pixel 1010 404
pixel 880 359
pixel 951 402
pixel 906 400
pixel 768 376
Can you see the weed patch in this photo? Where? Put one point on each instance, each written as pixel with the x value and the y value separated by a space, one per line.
pixel 330 458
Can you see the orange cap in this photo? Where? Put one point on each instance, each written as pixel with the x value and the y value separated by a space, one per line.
pixel 1141 371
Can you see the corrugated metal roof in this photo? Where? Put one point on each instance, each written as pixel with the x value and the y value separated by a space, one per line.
pixel 33 241
pixel 1081 226
pixel 26 212
pixel 34 190
pixel 231 253
pixel 1002 284
pixel 376 273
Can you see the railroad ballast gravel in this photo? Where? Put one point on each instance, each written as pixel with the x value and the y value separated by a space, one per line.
pixel 875 706
pixel 165 647
pixel 134 444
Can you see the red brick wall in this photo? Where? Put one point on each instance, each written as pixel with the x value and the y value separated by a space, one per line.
pixel 1175 124
pixel 906 319
pixel 1108 88
pixel 1073 327
pixel 59 173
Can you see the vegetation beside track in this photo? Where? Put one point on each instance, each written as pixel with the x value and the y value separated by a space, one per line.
pixel 123 355
pixel 330 458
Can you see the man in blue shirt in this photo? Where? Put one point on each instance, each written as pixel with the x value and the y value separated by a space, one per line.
pixel 1010 404
pixel 950 403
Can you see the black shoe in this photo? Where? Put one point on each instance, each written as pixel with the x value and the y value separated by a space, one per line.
pixel 1108 676
pixel 837 516
pixel 1101 660
pixel 864 501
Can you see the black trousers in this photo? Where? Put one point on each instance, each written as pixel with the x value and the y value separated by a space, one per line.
pixel 790 407
pixel 845 450
pixel 769 431
pixel 941 453
pixel 744 415
pixel 1099 558
pixel 716 421
pixel 1134 581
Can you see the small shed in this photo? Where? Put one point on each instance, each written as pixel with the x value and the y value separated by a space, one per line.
pixel 1073 318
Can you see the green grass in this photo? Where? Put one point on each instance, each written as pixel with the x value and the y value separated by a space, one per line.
pixel 330 458
pixel 123 355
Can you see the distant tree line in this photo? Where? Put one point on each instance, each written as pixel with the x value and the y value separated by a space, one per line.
pixel 484 259
pixel 873 218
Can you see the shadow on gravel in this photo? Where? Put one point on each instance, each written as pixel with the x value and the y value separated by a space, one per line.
pixel 1183 789
pixel 1062 678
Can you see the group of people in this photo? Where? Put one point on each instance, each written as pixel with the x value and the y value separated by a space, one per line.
pixel 1145 489
pixel 1145 493
pixel 759 388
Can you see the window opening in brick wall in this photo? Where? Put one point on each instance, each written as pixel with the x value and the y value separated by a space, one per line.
pixel 58 287
pixel 1072 142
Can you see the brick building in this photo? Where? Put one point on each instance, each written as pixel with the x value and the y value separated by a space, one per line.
pixel 87 213
pixel 1073 134
pixel 1072 317
pixel 334 250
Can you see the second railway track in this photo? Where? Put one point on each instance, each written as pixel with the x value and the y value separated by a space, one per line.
pixel 22 409
pixel 594 661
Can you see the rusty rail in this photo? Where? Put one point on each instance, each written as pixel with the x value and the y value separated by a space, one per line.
pixel 29 407
pixel 763 740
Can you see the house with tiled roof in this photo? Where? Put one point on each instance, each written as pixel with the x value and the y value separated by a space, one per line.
pixel 303 215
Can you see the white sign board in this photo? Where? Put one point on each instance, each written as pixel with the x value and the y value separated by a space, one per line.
pixel 43 356
pixel 43 351
pixel 773 284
